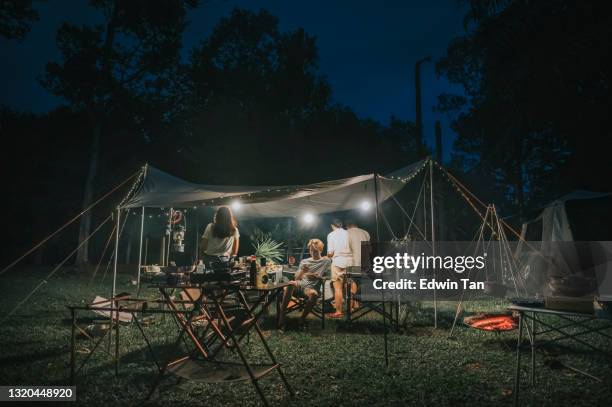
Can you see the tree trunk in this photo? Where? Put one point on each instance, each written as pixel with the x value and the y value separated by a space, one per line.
pixel 85 225
pixel 96 114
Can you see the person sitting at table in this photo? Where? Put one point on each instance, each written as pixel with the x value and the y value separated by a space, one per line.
pixel 221 236
pixel 307 281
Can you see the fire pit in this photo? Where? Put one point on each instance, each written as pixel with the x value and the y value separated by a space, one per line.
pixel 492 322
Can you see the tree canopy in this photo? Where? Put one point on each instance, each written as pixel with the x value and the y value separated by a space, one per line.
pixel 532 120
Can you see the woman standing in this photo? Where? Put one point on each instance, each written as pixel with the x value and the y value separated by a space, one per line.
pixel 221 237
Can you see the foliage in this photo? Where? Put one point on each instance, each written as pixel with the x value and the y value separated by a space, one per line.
pixel 532 121
pixel 267 248
pixel 249 95
pixel 16 18
pixel 253 94
pixel 258 235
pixel 125 68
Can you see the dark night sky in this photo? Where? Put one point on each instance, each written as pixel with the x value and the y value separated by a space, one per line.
pixel 367 50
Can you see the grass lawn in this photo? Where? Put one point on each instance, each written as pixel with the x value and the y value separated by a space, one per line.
pixel 336 366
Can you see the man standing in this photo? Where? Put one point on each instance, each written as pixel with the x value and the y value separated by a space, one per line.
pixel 338 248
pixel 356 237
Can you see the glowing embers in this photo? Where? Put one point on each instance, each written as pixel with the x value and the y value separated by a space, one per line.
pixel 492 322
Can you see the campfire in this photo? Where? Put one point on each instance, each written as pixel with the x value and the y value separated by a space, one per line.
pixel 492 322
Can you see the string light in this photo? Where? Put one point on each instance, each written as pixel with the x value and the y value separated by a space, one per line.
pixel 135 185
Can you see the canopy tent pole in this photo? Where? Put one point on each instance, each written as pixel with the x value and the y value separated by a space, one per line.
pixel 377 206
pixel 383 294
pixel 478 238
pixel 433 237
pixel 110 314
pixel 169 232
pixel 197 238
pixel 116 252
pixel 142 219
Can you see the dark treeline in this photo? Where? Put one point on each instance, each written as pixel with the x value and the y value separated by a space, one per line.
pixel 533 122
pixel 248 105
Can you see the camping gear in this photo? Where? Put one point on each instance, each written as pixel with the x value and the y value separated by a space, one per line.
pixel 253 272
pixel 297 303
pixel 206 363
pixel 556 242
pixel 201 278
pixel 528 302
pixel 602 309
pixel 158 189
pixel 570 286
pixel 100 303
pixel 572 304
pixel 177 278
pixel 392 313
pixel 558 326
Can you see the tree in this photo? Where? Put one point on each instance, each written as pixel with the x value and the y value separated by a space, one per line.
pixel 16 18
pixel 535 83
pixel 250 89
pixel 119 72
pixel 254 98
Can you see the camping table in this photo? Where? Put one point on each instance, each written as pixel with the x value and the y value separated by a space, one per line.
pixel 222 330
pixel 118 307
pixel 566 319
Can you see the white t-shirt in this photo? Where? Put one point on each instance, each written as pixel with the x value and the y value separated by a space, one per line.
pixel 356 236
pixel 338 243
pixel 217 246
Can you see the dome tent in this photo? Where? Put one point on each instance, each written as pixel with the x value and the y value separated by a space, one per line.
pixel 559 240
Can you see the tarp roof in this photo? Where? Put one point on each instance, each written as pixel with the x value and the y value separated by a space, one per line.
pixel 159 189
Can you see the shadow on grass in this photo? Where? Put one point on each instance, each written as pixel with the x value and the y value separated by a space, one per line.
pixel 26 358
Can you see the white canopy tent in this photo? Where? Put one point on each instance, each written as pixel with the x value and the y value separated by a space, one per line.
pixel 158 189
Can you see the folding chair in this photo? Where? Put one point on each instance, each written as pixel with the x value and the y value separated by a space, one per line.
pixel 297 304
pixel 385 307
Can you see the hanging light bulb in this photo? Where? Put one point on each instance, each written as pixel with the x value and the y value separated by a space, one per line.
pixel 308 218
pixel 365 206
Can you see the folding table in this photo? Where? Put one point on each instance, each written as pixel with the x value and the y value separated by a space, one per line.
pixel 118 310
pixel 586 324
pixel 224 318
